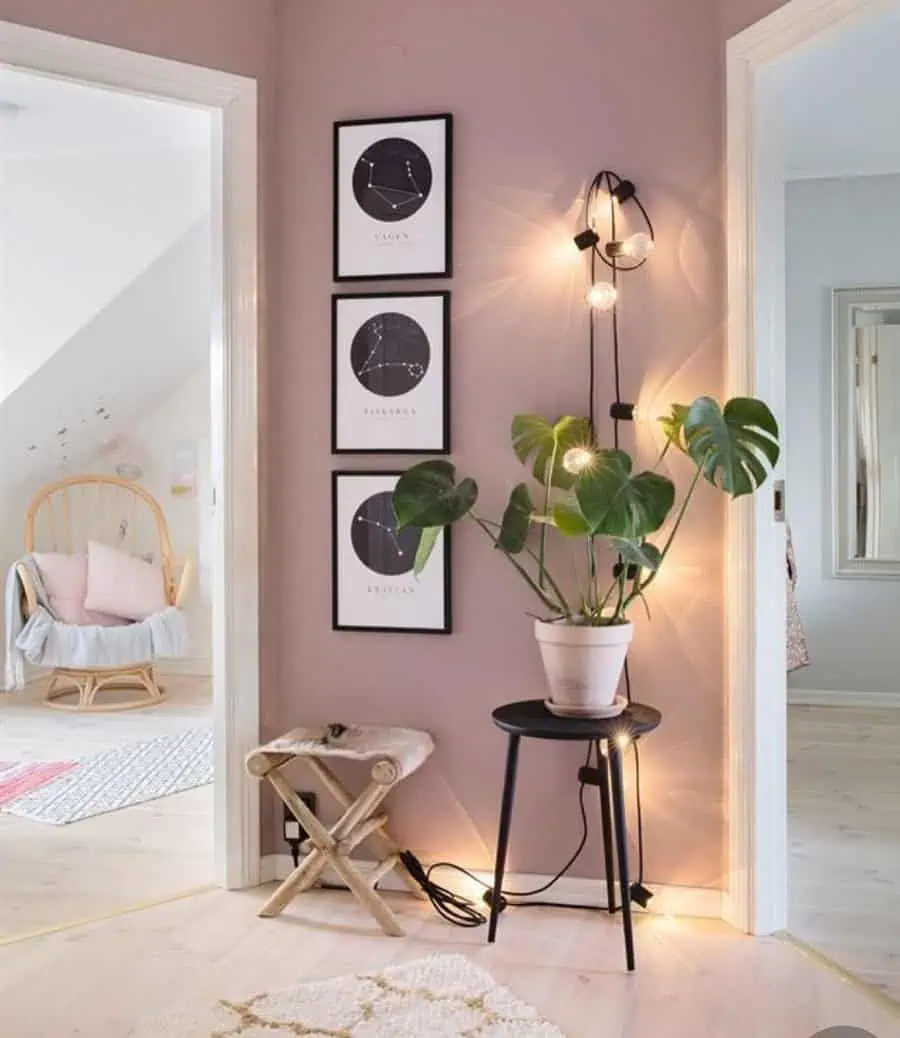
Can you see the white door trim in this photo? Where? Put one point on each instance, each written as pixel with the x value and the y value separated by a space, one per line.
pixel 232 101
pixel 756 900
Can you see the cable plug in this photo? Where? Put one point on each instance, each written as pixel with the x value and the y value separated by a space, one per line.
pixel 640 895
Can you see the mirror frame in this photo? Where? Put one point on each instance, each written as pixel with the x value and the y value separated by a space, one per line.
pixel 843 367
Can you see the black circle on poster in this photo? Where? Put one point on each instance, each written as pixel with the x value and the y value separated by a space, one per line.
pixel 390 354
pixel 392 179
pixel 376 541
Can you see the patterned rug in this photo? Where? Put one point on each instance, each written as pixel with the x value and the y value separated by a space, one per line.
pixel 18 779
pixel 445 996
pixel 121 778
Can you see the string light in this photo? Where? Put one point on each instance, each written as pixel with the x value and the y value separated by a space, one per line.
pixel 637 247
pixel 578 460
pixel 602 295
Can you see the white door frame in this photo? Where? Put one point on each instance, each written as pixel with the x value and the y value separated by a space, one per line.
pixel 756 900
pixel 232 102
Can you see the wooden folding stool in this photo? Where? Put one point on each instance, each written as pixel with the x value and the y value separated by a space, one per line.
pixel 397 753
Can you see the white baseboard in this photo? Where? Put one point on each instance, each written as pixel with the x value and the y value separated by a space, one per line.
pixel 840 697
pixel 701 902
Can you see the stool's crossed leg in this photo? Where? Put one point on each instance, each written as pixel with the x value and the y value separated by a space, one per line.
pixel 333 847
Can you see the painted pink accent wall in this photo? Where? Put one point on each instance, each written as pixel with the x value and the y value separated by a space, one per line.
pixel 543 96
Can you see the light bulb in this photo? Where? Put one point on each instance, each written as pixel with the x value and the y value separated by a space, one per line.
pixel 638 246
pixel 578 459
pixel 622 740
pixel 602 295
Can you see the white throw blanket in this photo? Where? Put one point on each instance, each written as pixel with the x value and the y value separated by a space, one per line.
pixel 45 641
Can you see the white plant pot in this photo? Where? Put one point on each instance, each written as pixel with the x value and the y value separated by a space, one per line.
pixel 583 664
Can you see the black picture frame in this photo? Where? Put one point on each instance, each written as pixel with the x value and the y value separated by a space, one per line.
pixel 440 581
pixel 441 264
pixel 434 429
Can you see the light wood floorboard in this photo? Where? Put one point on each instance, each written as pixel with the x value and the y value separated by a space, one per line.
pixel 844 832
pixel 694 978
pixel 52 875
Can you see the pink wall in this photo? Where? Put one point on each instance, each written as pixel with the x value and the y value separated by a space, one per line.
pixel 541 101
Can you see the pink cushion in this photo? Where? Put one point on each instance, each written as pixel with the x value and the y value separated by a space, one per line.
pixel 65 579
pixel 120 584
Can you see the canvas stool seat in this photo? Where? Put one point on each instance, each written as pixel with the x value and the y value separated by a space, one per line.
pixel 395 754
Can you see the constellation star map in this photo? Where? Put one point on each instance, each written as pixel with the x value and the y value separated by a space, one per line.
pixel 378 544
pixel 392 179
pixel 390 354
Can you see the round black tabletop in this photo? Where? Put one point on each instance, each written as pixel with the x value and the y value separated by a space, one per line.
pixel 531 719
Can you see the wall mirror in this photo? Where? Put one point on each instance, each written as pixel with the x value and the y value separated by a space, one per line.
pixel 866 432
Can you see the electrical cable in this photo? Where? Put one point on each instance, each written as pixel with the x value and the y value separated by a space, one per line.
pixel 460 910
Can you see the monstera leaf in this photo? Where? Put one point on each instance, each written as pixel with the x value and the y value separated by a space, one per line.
pixel 516 521
pixel 533 436
pixel 640 553
pixel 734 445
pixel 569 521
pixel 428 495
pixel 673 426
pixel 617 504
pixel 427 542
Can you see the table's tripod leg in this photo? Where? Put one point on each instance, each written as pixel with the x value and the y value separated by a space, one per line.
pixel 509 792
pixel 618 800
pixel 606 824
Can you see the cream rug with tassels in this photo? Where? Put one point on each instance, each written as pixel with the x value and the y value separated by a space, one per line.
pixel 445 996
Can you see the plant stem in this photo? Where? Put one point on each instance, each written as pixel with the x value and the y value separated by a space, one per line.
pixel 559 606
pixel 548 476
pixel 669 539
pixel 620 602
pixel 592 574
pixel 554 587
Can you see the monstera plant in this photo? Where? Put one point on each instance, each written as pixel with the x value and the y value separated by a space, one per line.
pixel 582 491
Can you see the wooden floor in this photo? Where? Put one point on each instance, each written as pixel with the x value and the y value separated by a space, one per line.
pixel 844 832
pixel 695 979
pixel 51 875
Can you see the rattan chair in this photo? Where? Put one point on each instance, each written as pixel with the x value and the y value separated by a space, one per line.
pixel 63 517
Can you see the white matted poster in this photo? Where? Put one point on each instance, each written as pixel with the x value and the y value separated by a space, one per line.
pixel 374 587
pixel 393 198
pixel 390 373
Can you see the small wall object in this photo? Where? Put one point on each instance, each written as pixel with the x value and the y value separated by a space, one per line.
pixel 184 469
pixel 373 584
pixel 390 373
pixel 393 198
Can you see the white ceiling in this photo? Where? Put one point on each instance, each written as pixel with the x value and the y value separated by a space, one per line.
pixel 42 116
pixel 840 102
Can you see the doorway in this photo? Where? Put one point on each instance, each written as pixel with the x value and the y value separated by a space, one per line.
pixel 759 853
pixel 230 103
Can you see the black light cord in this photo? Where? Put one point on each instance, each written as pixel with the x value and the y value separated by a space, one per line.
pixel 462 911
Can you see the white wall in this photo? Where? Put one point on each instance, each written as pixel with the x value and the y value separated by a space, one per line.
pixel 75 230
pixel 840 234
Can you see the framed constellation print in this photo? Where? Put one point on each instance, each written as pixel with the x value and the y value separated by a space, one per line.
pixel 374 588
pixel 392 198
pixel 390 373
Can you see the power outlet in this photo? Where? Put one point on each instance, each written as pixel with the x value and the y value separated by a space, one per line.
pixel 293 830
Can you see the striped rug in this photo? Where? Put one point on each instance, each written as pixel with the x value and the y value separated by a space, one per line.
pixel 20 778
pixel 122 777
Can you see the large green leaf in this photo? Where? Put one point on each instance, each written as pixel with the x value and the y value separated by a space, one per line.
pixel 427 542
pixel 617 504
pixel 732 446
pixel 516 521
pixel 533 437
pixel 639 553
pixel 569 521
pixel 428 495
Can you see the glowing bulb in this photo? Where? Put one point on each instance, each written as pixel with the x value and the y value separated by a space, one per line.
pixel 602 295
pixel 578 459
pixel 623 740
pixel 638 246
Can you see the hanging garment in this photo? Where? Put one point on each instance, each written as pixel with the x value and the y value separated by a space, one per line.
pixel 797 647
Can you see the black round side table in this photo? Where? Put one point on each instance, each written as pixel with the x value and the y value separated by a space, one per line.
pixel 530 719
